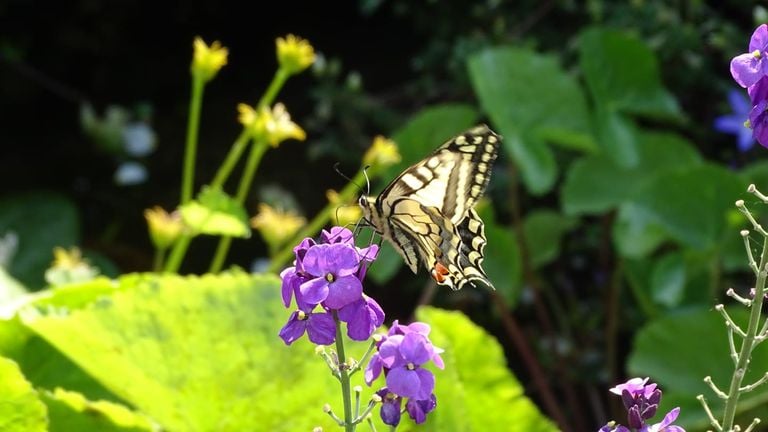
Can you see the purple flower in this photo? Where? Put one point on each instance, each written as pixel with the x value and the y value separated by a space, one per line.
pixel 734 123
pixel 748 68
pixel 404 355
pixel 320 327
pixel 634 386
pixel 418 409
pixel 758 91
pixel 758 121
pixel 300 251
pixel 390 407
pixel 363 317
pixel 333 282
pixel 666 424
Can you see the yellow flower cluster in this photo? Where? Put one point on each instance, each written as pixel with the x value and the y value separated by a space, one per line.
pixel 382 153
pixel 294 54
pixel 208 59
pixel 276 225
pixel 164 227
pixel 273 125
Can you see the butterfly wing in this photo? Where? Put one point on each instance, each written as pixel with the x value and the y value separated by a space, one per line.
pixel 453 178
pixel 427 211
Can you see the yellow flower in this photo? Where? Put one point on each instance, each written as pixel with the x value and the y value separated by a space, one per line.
pixel 208 59
pixel 273 125
pixel 294 54
pixel 69 266
pixel 276 225
pixel 164 227
pixel 382 153
pixel 345 213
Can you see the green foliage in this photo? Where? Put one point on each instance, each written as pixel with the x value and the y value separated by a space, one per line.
pixel 216 213
pixel 42 221
pixel 543 230
pixel 20 407
pixel 678 351
pixel 70 411
pixel 476 391
pixel 535 102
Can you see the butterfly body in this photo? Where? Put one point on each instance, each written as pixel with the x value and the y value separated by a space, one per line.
pixel 427 212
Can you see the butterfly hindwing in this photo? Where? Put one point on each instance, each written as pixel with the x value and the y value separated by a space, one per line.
pixel 427 212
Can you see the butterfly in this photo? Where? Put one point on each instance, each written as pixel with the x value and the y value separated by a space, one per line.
pixel 427 212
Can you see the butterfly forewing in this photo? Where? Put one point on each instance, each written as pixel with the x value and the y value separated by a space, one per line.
pixel 427 211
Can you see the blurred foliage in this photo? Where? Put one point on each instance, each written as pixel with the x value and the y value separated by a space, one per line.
pixel 609 216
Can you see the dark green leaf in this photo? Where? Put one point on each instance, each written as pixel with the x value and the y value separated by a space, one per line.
pixel 502 257
pixel 41 221
pixel 622 73
pixel 617 137
pixel 679 351
pixel 543 231
pixel 668 279
pixel 535 160
pixel 635 234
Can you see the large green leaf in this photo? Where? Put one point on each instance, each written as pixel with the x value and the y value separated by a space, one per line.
pixel 531 99
pixel 71 411
pixel 41 221
pixel 502 258
pixel 195 353
pixel 216 213
pixel 679 351
pixel 635 233
pixel 476 391
pixel 595 184
pixel 543 232
pixel 617 136
pixel 691 204
pixel 622 73
pixel 20 407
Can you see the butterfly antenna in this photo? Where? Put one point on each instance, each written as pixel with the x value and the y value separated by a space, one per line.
pixel 338 171
pixel 367 180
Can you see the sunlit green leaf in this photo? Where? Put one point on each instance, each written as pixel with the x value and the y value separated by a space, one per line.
pixel 71 411
pixel 216 213
pixel 20 407
pixel 476 391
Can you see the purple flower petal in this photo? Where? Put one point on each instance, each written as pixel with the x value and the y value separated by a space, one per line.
pixel 314 290
pixel 337 259
pixel 390 407
pixel 757 93
pixel 343 291
pixel 417 383
pixel 289 284
pixel 300 251
pixel 633 386
pixel 337 235
pixel 293 329
pixel 321 329
pixel 758 119
pixel 746 69
pixel 418 409
pixel 389 351
pixel 373 370
pixel 362 318
pixel 416 349
pixel 759 39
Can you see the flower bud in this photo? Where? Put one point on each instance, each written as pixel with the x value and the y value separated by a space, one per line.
pixel 294 54
pixel 208 60
pixel 164 227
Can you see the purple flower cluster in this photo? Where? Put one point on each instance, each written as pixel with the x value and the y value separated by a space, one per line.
pixel 750 70
pixel 401 355
pixel 641 401
pixel 327 278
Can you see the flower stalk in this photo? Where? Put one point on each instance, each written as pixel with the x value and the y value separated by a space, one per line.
pixel 346 393
pixel 193 126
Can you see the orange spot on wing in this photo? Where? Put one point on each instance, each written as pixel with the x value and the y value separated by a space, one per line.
pixel 439 272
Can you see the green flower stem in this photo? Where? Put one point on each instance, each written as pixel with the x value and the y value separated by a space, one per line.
pixel 177 253
pixel 281 76
pixel 254 157
pixel 157 262
pixel 193 125
pixel 231 160
pixel 316 224
pixel 749 343
pixel 346 392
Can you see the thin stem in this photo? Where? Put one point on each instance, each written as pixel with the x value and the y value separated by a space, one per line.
pixel 752 425
pixel 231 160
pixel 712 420
pixel 177 253
pixel 193 125
pixel 157 261
pixel 321 218
pixel 754 385
pixel 732 347
pixel 729 322
pixel 747 246
pixel 281 76
pixel 749 342
pixel 254 157
pixel 745 211
pixel 364 359
pixel 349 425
pixel 711 384
pixel 732 294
